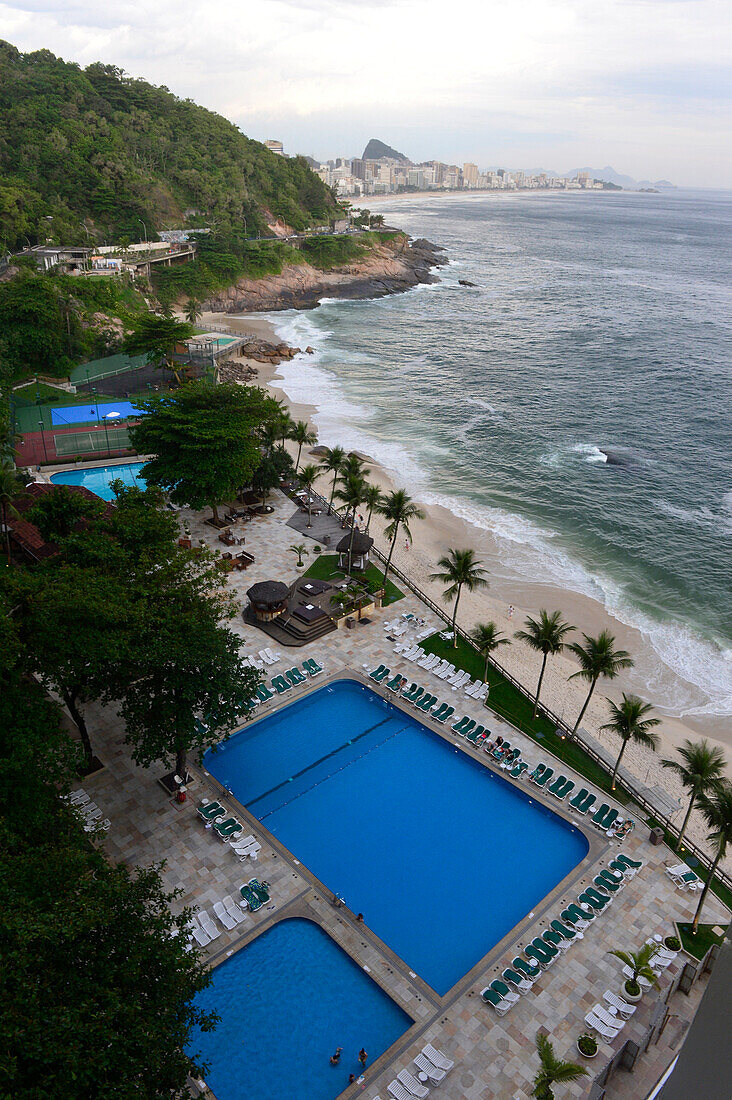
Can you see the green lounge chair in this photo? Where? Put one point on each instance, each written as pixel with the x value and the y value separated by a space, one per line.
pixel 312 667
pixel 491 997
pixel 260 889
pixel 443 712
pixel 587 805
pixel 518 981
pixel 573 913
pixel 552 939
pixel 415 692
pixel 557 785
pixel 250 898
pixel 380 673
pixel 498 753
pixel 426 704
pixel 503 991
pixel 610 819
pixel 579 798
pixel 280 684
pixel 526 971
pixel 537 773
pixel 563 930
pixel 565 786
pixel 474 737
pixel 628 862
pixel 519 770
pixel 510 760
pixel 229 828
pixel 209 811
pixel 541 952
pixel 461 726
pixel 543 779
pixel 263 693
pixel 594 899
pixel 605 881
pixel 599 816
pixel 295 676
pixel 395 683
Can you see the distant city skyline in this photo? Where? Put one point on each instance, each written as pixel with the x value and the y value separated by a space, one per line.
pixel 642 85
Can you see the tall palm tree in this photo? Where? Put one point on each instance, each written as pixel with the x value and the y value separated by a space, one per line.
pixel 9 489
pixel 351 494
pixel 597 658
pixel 268 434
pixel 372 498
pixel 331 462
pixel 459 569
pixel 553 1071
pixel 307 477
pixel 284 425
pixel 630 722
pixel 546 635
pixel 192 310
pixel 487 639
pixel 303 436
pixel 716 807
pixel 700 771
pixel 353 466
pixel 399 510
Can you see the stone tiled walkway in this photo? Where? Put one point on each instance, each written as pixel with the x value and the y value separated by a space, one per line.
pixel 494 1057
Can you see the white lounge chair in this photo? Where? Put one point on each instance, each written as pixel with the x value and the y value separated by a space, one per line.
pixel 226 919
pixel 642 982
pixel 424 1065
pixel 607 1033
pixel 395 1089
pixel 273 657
pixel 607 1018
pixel 208 925
pixel 200 937
pixel 437 1058
pixel 243 842
pixel 411 1084
pixel 625 1010
pixel 233 909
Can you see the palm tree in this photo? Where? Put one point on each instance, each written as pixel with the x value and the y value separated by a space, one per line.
pixel 331 463
pixel 303 436
pixel 351 494
pixel 398 509
pixel 269 433
pixel 372 498
pixel 553 1070
pixel 459 569
pixel 9 489
pixel 486 639
pixel 284 425
pixel 353 466
pixel 192 310
pixel 301 550
pixel 630 723
pixel 640 962
pixel 716 807
pixel 307 477
pixel 546 635
pixel 702 768
pixel 597 658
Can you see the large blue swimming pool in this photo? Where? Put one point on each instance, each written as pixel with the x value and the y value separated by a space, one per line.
pixel 286 1002
pixel 442 856
pixel 99 478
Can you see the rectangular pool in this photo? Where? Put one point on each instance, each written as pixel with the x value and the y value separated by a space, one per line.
pixel 286 1002
pixel 98 479
pixel 442 856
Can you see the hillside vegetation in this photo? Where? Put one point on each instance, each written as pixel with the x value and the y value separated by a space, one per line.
pixel 94 146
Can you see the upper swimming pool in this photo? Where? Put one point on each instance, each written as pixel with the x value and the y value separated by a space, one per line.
pixel 99 478
pixel 286 1001
pixel 442 856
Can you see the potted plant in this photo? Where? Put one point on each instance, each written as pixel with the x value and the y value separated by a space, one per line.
pixel 639 962
pixel 587 1045
pixel 552 1070
pixel 301 552
pixel 673 943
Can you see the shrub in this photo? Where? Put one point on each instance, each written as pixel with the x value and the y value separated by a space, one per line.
pixel 673 943
pixel 587 1045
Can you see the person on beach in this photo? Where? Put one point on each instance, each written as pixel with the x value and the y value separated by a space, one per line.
pixel 406 544
pixel 510 611
pixel 362 1056
pixel 335 1058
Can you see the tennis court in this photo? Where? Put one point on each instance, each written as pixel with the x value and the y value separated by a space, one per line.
pixel 93 412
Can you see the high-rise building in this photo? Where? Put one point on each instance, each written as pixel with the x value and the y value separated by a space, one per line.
pixel 358 168
pixel 275 147
pixel 470 175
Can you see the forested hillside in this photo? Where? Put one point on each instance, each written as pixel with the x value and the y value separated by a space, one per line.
pixel 95 146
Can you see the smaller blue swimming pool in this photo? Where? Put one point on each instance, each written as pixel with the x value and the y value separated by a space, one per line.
pixel 98 479
pixel 286 1002
pixel 94 412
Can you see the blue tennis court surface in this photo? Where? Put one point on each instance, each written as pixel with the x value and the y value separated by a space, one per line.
pixel 442 856
pixel 286 1002
pixel 93 413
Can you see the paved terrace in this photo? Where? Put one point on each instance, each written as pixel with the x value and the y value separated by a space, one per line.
pixel 495 1057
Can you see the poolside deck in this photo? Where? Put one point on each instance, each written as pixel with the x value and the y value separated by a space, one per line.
pixel 494 1056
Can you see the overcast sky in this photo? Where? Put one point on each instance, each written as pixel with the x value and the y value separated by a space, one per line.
pixel 642 85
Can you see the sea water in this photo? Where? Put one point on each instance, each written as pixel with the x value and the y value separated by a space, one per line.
pixel 575 402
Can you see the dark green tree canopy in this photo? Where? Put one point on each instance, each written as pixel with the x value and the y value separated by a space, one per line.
pixel 156 337
pixel 57 514
pixel 204 440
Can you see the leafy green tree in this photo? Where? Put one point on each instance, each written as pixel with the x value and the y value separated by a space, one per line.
pixel 266 477
pixel 598 658
pixel 331 463
pixel 57 513
pixel 486 639
pixel 399 511
pixel 307 477
pixel 716 808
pixel 630 722
pixel 459 569
pixel 33 336
pixel 303 436
pixel 545 635
pixel 552 1071
pixel 10 488
pixel 701 768
pixel 157 337
pixel 204 441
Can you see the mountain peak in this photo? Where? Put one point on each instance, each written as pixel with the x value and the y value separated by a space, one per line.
pixel 376 149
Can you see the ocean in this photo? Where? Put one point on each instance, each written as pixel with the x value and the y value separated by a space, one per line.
pixel 575 403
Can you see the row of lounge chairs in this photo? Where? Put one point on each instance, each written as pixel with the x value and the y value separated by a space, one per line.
pixel 608 1023
pixel 568 928
pixel 229 912
pixel 442 668
pixel 684 878
pixel 89 810
pixel 287 680
pixel 432 1063
pixel 228 829
pixel 265 657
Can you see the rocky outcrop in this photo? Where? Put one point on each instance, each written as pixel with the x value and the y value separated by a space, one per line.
pixel 390 268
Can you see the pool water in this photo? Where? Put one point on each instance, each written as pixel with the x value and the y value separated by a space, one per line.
pixel 286 1002
pixel 442 856
pixel 94 412
pixel 99 478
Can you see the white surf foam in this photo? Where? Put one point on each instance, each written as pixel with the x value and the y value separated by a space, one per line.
pixel 590 452
pixel 718 521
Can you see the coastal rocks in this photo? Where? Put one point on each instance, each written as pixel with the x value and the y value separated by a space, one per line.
pixel 466 282
pixel 263 352
pixel 390 268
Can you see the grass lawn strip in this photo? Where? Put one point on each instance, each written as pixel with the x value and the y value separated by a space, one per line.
pixel 326 568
